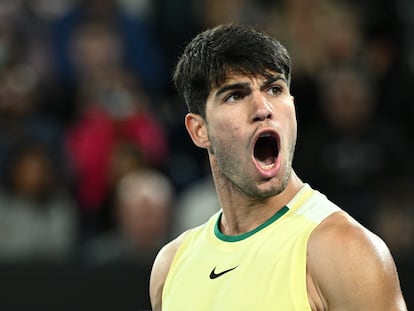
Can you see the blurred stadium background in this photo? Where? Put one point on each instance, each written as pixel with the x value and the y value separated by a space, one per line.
pixel 97 172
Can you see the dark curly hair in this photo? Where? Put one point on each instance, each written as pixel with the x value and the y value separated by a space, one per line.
pixel 212 54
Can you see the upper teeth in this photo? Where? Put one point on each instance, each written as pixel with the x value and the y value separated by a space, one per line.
pixel 265 135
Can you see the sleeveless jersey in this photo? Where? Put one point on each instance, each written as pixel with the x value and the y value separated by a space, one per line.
pixel 264 269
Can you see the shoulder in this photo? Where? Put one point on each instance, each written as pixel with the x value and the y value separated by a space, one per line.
pixel 160 269
pixel 351 267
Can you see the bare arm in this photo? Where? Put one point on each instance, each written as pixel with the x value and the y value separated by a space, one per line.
pixel 351 268
pixel 160 270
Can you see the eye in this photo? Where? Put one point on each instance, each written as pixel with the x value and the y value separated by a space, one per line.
pixel 234 97
pixel 274 90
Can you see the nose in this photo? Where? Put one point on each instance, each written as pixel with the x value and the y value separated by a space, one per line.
pixel 262 108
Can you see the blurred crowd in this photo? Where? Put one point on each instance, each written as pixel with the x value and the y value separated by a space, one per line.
pixel 95 164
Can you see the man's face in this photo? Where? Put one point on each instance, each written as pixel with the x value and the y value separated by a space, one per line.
pixel 251 126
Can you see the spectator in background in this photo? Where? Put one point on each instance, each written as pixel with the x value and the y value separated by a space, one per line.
pixel 125 158
pixel 19 102
pixel 38 219
pixel 195 205
pixel 113 109
pixel 144 202
pixel 351 146
pixel 385 61
pixel 140 51
pixel 320 34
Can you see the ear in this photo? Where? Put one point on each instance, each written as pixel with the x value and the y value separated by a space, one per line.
pixel 197 128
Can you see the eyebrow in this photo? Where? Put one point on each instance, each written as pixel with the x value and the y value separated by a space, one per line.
pixel 272 79
pixel 232 87
pixel 245 85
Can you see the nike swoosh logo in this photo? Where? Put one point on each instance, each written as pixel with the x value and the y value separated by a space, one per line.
pixel 214 275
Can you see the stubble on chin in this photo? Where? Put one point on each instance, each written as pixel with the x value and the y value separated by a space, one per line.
pixel 229 172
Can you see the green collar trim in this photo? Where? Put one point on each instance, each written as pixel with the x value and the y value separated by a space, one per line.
pixel 240 237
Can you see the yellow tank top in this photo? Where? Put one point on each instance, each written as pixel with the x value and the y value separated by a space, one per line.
pixel 264 269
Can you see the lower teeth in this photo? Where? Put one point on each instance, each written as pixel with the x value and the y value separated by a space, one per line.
pixel 269 166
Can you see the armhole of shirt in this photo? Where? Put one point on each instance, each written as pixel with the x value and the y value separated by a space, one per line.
pixel 189 236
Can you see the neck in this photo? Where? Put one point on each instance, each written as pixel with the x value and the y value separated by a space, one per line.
pixel 242 213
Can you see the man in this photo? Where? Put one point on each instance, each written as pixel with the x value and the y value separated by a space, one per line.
pixel 277 244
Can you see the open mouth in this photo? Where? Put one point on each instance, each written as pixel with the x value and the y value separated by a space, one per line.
pixel 266 150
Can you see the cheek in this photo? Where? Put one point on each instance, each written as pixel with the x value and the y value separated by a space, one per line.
pixel 225 132
pixel 222 138
pixel 290 113
pixel 289 121
pixel 293 121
